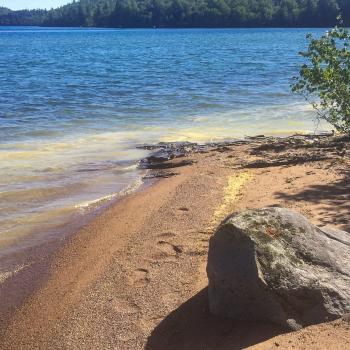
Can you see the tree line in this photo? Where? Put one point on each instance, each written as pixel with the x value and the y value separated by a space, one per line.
pixel 185 13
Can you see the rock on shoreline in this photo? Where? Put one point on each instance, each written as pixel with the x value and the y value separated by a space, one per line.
pixel 164 155
pixel 273 265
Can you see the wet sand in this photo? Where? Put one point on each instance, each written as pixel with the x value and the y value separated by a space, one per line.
pixel 134 277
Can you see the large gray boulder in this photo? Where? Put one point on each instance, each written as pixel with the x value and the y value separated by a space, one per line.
pixel 273 265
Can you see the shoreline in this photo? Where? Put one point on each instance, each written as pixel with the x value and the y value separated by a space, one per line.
pixel 28 265
pixel 112 231
pixel 96 207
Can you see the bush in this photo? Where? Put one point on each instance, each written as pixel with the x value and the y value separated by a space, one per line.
pixel 324 80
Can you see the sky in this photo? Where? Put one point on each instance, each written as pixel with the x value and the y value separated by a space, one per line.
pixel 32 4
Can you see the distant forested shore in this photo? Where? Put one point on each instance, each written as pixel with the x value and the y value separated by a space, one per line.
pixel 184 13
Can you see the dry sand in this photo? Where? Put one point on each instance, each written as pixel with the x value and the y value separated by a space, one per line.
pixel 134 277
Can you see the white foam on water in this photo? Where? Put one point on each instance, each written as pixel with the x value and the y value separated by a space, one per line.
pixel 8 274
pixel 98 201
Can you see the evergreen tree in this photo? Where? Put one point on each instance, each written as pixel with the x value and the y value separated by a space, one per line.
pixel 185 13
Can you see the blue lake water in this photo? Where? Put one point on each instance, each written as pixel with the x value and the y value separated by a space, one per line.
pixel 75 102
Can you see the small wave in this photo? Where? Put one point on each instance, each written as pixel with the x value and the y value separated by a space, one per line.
pixel 130 167
pixel 99 201
pixel 7 274
pixel 116 167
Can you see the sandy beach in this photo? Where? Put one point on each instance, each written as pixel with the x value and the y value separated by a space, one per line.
pixel 134 277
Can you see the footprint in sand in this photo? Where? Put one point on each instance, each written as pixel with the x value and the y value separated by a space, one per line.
pixel 205 232
pixel 124 306
pixel 139 277
pixel 183 209
pixel 167 234
pixel 168 248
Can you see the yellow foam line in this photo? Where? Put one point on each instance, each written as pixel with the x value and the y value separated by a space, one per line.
pixel 231 192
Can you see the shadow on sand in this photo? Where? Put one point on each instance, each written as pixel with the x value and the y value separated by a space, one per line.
pixel 334 199
pixel 192 327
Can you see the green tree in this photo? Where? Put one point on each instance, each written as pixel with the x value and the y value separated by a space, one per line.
pixel 289 12
pixel 325 79
pixel 185 13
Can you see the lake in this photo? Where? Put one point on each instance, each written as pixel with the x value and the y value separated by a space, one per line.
pixel 74 103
